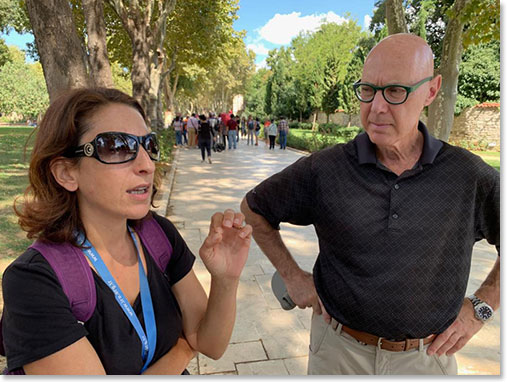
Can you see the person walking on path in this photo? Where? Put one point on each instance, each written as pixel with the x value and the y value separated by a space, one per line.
pixel 250 130
pixel 397 213
pixel 267 122
pixel 178 130
pixel 92 176
pixel 192 126
pixel 232 130
pixel 257 130
pixel 283 129
pixel 272 131
pixel 205 136
pixel 185 131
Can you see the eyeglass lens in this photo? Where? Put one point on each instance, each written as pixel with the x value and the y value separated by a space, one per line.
pixel 394 94
pixel 117 147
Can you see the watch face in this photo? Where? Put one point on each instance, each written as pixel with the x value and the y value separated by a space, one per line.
pixel 484 312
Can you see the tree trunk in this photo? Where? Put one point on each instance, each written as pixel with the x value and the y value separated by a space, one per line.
pixel 395 17
pixel 314 119
pixel 100 69
pixel 60 50
pixel 441 111
pixel 147 34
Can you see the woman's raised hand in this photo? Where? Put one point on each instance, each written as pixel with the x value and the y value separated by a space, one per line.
pixel 225 249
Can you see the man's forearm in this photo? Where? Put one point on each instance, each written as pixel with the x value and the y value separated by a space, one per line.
pixel 270 242
pixel 489 291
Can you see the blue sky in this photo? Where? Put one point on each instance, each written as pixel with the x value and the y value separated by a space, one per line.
pixel 273 23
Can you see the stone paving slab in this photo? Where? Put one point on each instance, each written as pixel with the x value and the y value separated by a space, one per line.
pixel 276 367
pixel 235 353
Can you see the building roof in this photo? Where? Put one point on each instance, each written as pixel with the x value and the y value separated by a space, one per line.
pixel 488 104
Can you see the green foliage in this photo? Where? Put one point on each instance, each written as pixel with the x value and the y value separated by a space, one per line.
pixel 314 141
pixel 4 53
pixel 167 140
pixel 462 102
pixel 255 93
pixel 22 87
pixel 315 72
pixel 479 77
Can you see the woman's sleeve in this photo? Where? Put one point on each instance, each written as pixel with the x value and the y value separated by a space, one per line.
pixel 37 318
pixel 182 259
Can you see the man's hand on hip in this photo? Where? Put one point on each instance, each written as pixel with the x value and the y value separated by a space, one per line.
pixel 458 334
pixel 302 291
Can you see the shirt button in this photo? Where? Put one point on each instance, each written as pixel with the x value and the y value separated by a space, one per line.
pixel 396 186
pixel 395 216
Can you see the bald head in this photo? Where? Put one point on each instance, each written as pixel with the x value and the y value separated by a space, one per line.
pixel 403 52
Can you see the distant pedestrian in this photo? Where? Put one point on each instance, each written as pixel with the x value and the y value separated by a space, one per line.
pixel 205 136
pixel 272 131
pixel 178 130
pixel 243 127
pixel 232 130
pixel 250 125
pixel 192 126
pixel 257 130
pixel 267 122
pixel 283 129
pixel 185 139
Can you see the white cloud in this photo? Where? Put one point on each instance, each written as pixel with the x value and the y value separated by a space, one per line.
pixel 366 21
pixel 261 64
pixel 281 29
pixel 259 49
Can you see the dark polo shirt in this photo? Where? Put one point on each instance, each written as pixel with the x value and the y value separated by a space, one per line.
pixel 395 251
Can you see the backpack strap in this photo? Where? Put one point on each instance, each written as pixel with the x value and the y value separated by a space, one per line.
pixel 74 274
pixel 156 242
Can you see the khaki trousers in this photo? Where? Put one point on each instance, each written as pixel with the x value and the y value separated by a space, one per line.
pixel 336 352
pixel 191 137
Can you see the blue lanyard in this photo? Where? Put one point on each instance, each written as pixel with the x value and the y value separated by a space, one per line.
pixel 149 342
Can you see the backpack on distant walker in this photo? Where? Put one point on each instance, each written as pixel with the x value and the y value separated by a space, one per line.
pixel 76 278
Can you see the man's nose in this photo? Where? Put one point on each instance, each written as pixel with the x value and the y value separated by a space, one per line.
pixel 379 104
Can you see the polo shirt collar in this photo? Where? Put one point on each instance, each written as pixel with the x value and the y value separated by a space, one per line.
pixel 366 148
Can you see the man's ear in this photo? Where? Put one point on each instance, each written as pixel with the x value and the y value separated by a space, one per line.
pixel 435 85
pixel 65 173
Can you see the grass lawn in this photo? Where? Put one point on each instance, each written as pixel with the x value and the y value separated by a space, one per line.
pixel 13 181
pixel 490 157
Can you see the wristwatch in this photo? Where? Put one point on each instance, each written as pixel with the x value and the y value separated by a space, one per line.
pixel 483 311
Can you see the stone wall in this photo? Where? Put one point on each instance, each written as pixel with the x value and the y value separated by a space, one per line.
pixel 341 119
pixel 480 124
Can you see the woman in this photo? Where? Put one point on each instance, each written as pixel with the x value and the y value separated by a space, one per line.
pixel 178 130
pixel 272 132
pixel 92 177
pixel 204 137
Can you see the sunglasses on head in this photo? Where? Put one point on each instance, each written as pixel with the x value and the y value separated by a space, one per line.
pixel 115 147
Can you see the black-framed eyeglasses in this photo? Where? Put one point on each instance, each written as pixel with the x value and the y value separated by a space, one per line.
pixel 116 147
pixel 394 94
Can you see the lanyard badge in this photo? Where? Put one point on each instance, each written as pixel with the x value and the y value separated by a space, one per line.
pixel 149 340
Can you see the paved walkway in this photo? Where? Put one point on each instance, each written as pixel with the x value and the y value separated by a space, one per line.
pixel 268 340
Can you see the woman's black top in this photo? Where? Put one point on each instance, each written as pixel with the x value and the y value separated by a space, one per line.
pixel 205 132
pixel 38 321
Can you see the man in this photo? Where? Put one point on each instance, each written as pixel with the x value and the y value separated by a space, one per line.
pixel 232 130
pixel 192 126
pixel 397 213
pixel 283 130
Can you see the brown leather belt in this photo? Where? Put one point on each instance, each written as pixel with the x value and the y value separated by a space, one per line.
pixel 370 339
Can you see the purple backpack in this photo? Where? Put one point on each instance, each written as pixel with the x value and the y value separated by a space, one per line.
pixel 76 278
